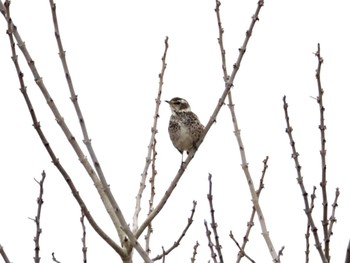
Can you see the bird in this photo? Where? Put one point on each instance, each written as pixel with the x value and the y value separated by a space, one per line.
pixel 184 129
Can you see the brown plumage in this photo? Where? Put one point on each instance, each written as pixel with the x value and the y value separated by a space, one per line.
pixel 185 128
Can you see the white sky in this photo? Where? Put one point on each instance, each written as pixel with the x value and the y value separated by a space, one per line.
pixel 114 50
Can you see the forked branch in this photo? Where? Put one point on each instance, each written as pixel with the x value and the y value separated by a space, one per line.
pixel 295 156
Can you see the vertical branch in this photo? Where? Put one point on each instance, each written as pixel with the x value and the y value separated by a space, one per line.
pixel 83 239
pixel 210 243
pixel 332 218
pixel 3 254
pixel 152 139
pixel 234 119
pixel 40 202
pixel 307 235
pixel 307 210
pixel 195 247
pixel 322 128
pixel 213 223
pixel 152 194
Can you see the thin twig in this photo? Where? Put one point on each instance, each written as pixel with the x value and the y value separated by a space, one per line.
pixel 332 219
pixel 37 218
pixel 210 243
pixel 228 86
pixel 195 247
pixel 242 253
pixel 177 242
pixel 213 223
pixel 322 128
pixel 250 224
pixel 83 239
pixel 307 210
pixel 152 182
pixel 152 139
pixel 54 258
pixel 307 235
pixel 3 254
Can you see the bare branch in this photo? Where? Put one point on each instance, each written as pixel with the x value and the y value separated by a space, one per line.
pixel 322 128
pixel 54 258
pixel 332 219
pixel 3 254
pixel 210 243
pixel 213 223
pixel 228 85
pixel 36 220
pixel 83 239
pixel 347 256
pixel 307 210
pixel 195 247
pixel 250 224
pixel 152 181
pixel 152 139
pixel 42 136
pixel 234 119
pixel 307 235
pixel 177 242
pixel 241 253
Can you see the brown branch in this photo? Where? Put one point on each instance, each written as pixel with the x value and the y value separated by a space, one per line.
pixel 332 219
pixel 322 128
pixel 228 86
pixel 152 181
pixel 36 220
pixel 347 256
pixel 234 119
pixel 307 235
pixel 242 253
pixel 3 254
pixel 46 144
pixel 87 140
pixel 83 239
pixel 213 223
pixel 307 210
pixel 177 242
pixel 210 243
pixel 112 208
pixel 54 258
pixel 250 224
pixel 152 139
pixel 195 247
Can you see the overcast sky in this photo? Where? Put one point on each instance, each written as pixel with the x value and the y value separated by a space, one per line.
pixel 114 51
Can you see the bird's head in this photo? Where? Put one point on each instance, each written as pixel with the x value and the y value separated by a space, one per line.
pixel 178 105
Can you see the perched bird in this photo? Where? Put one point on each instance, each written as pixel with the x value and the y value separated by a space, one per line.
pixel 185 129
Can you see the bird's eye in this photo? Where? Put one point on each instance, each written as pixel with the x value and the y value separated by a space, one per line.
pixel 177 102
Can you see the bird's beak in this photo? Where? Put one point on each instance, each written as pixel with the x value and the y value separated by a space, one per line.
pixel 167 101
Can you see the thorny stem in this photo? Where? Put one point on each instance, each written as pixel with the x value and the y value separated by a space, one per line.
pixel 210 243
pixel 195 247
pixel 307 210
